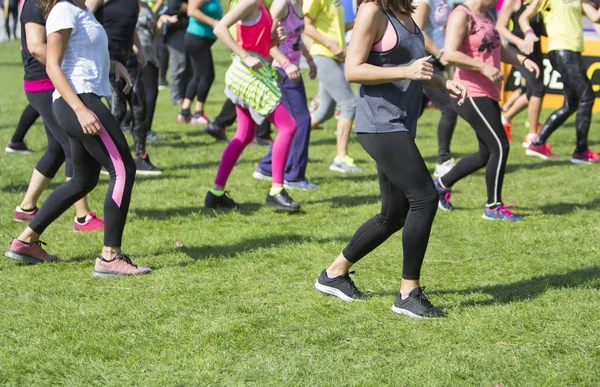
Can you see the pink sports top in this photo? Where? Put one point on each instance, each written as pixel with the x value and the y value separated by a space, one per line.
pixel 482 43
pixel 255 35
pixel 292 46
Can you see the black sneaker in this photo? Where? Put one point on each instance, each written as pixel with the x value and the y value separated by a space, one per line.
pixel 223 201
pixel 341 287
pixel 216 132
pixel 417 305
pixel 145 167
pixel 282 201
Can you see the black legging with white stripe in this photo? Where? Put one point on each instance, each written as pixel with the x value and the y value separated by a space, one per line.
pixel 483 114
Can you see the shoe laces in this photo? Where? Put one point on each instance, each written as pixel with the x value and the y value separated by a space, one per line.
pixel 353 287
pixel 126 259
pixel 285 196
pixel 504 210
pixel 423 299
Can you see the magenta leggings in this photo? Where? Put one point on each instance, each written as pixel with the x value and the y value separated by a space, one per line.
pixel 246 130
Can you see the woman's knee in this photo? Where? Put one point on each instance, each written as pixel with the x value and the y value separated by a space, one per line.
pixel 348 107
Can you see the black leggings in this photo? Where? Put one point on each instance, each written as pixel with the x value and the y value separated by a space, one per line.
pixel 198 48
pixel 150 81
pixel 13 11
pixel 109 150
pixel 483 114
pixel 28 118
pixel 137 100
pixel 58 150
pixel 579 97
pixel 408 198
pixel 534 86
pixel 441 100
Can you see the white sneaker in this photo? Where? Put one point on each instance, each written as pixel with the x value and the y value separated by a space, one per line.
pixel 443 168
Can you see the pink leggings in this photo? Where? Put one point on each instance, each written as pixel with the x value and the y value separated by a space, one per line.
pixel 246 130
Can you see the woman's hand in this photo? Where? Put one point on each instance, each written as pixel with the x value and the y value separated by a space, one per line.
pixel 280 35
pixel 531 66
pixel 457 89
pixel 88 121
pixel 337 51
pixel 312 73
pixel 523 47
pixel 141 57
pixel 420 70
pixel 252 62
pixel 121 72
pixel 293 72
pixel 529 43
pixel 492 73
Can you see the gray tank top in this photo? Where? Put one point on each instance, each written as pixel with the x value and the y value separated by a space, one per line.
pixel 392 107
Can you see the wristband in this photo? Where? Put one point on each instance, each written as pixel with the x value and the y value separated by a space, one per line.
pixel 529 32
pixel 284 63
pixel 439 55
pixel 523 61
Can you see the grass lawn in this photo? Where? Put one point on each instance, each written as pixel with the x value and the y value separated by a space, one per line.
pixel 236 305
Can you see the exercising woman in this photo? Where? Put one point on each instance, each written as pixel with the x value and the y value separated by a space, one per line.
pixel 78 47
pixel 252 85
pixel 535 90
pixel 38 89
pixel 565 44
pixel 199 38
pixel 386 56
pixel 287 61
pixel 473 45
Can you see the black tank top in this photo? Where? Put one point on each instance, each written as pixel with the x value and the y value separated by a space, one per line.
pixel 537 23
pixel 392 107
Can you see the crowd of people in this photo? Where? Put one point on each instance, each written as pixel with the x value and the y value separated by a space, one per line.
pixel 77 52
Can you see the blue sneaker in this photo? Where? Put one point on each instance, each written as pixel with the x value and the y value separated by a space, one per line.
pixel 445 194
pixel 500 212
pixel 302 184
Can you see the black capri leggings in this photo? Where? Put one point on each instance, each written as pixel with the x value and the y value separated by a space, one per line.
pixel 534 86
pixel 28 118
pixel 408 199
pixel 58 150
pixel 483 114
pixel 198 48
pixel 109 150
pixel 579 97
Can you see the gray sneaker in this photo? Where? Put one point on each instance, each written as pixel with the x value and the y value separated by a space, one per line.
pixel 344 164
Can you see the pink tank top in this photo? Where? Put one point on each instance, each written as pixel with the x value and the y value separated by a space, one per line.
pixel 255 35
pixel 292 46
pixel 482 43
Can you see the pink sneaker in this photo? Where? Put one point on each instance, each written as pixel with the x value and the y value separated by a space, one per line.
pixel 29 252
pixel 200 119
pixel 529 139
pixel 92 223
pixel 542 151
pixel 587 157
pixel 121 266
pixel 181 119
pixel 24 216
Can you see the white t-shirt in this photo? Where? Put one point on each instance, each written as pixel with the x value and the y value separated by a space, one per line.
pixel 435 27
pixel 86 62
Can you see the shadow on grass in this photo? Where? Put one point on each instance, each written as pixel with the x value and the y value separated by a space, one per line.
pixel 537 165
pixel 199 253
pixel 168 213
pixel 567 208
pixel 532 287
pixel 348 201
pixel 208 164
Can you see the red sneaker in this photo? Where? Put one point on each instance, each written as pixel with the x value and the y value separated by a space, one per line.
pixel 92 223
pixel 24 216
pixel 542 151
pixel 121 266
pixel 508 130
pixel 587 157
pixel 29 252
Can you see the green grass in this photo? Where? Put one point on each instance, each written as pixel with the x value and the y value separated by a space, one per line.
pixel 236 305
